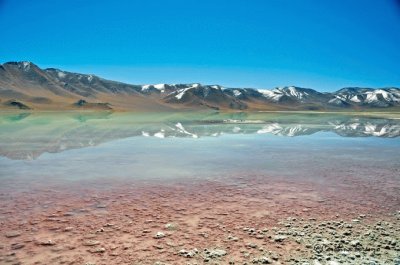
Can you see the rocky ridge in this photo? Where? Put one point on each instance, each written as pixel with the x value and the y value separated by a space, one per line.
pixel 32 87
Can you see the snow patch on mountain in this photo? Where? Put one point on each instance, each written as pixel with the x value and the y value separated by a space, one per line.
pixel 270 94
pixel 355 99
pixel 237 93
pixel 61 74
pixel 181 92
pixel 291 92
pixel 26 66
pixel 160 87
pixel 145 87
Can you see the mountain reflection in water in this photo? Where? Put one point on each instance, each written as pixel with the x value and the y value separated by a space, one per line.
pixel 28 135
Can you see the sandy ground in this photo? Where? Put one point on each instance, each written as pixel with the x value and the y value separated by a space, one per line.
pixel 252 221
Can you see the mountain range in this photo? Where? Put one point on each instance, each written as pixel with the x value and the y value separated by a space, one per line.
pixel 23 85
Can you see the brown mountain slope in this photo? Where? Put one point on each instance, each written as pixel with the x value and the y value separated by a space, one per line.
pixel 23 85
pixel 52 89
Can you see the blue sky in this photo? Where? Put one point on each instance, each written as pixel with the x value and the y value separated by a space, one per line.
pixel 324 45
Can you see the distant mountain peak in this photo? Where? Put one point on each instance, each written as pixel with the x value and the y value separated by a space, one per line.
pixel 35 87
pixel 24 65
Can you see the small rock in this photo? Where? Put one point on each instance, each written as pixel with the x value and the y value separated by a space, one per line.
pixel 233 238
pixel 98 250
pixel 11 234
pixel 355 243
pixel 159 235
pixel 171 226
pixel 251 245
pixel 215 253
pixel 264 260
pixel 279 238
pixel 46 243
pixel 91 243
pixel 187 254
pixel 17 246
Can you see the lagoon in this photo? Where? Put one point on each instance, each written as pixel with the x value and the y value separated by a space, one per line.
pixel 201 171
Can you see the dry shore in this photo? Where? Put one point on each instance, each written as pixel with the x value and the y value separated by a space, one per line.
pixel 253 221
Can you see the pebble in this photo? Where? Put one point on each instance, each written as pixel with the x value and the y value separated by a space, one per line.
pixel 98 250
pixel 16 246
pixel 11 234
pixel 91 243
pixel 159 235
pixel 279 238
pixel 215 253
pixel 171 226
pixel 46 243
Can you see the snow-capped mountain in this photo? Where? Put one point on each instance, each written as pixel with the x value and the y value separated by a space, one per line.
pixel 25 85
pixel 382 97
pixel 293 94
pixel 211 96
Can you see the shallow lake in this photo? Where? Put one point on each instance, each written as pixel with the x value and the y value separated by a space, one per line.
pixel 71 147
pixel 200 170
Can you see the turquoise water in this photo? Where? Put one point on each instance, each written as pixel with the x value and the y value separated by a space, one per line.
pixel 69 147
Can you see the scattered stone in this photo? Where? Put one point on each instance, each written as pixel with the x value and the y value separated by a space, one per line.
pixel 46 243
pixel 91 243
pixel 262 260
pixel 171 226
pixel 16 246
pixel 251 245
pixel 215 253
pixel 355 243
pixel 98 250
pixel 11 234
pixel 279 238
pixel 233 238
pixel 159 235
pixel 68 214
pixel 188 253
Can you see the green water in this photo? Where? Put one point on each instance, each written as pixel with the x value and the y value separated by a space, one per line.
pixel 64 147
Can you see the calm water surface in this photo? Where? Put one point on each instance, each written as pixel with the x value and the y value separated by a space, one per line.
pixel 62 148
pixel 119 178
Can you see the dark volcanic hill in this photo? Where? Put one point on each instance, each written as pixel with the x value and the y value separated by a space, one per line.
pixel 23 85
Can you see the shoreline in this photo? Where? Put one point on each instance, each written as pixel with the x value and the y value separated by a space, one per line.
pixel 253 221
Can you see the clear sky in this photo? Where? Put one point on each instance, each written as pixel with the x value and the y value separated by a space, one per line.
pixel 322 44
